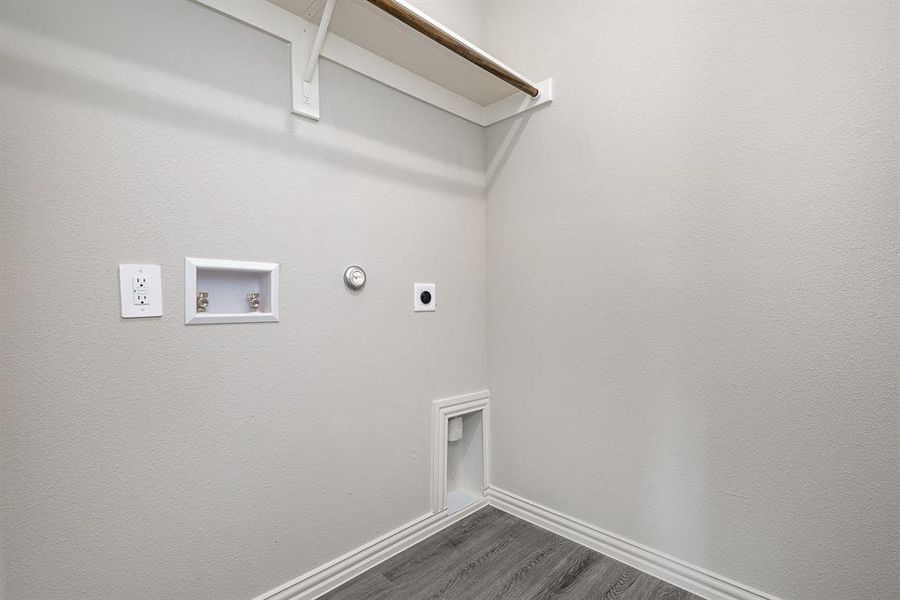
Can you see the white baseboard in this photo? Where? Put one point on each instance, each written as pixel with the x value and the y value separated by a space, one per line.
pixel 662 566
pixel 696 580
pixel 341 570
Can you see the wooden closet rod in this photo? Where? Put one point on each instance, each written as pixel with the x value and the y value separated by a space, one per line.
pixel 402 12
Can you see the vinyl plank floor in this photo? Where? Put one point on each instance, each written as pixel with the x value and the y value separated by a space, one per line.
pixel 491 555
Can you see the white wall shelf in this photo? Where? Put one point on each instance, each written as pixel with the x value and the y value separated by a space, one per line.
pixel 229 284
pixel 369 41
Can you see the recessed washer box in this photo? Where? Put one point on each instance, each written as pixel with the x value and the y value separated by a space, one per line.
pixel 229 287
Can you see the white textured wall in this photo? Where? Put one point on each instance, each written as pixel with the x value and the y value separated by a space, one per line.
pixel 693 298
pixel 723 386
pixel 144 459
pixel 465 17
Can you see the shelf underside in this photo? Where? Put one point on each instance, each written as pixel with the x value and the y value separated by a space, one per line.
pixel 367 26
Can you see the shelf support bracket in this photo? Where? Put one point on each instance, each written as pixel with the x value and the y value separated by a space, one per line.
pixel 305 65
pixel 312 64
pixel 305 39
pixel 316 49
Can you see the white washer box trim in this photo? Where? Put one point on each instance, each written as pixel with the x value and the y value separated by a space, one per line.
pixel 193 265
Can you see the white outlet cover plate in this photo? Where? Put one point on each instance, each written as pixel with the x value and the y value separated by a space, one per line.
pixel 418 305
pixel 153 291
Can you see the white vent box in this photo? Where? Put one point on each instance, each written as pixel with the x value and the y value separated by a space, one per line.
pixel 465 461
pixel 461 451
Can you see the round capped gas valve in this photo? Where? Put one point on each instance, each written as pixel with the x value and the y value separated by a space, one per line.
pixel 355 277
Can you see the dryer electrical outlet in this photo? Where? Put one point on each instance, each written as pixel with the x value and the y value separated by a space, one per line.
pixel 140 290
pixel 424 297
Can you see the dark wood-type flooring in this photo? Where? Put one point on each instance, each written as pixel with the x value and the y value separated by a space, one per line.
pixel 491 555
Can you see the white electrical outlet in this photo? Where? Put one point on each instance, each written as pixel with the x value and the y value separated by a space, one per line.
pixel 424 297
pixel 140 290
